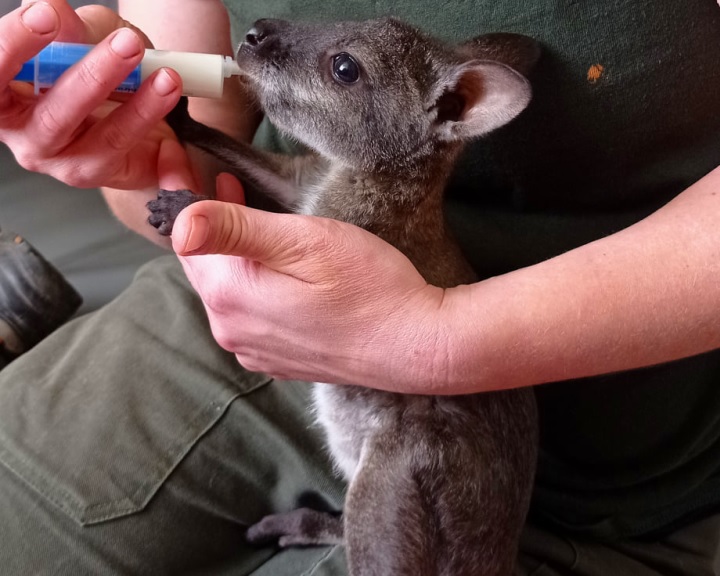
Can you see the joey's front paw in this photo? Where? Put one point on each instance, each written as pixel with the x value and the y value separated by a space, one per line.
pixel 168 205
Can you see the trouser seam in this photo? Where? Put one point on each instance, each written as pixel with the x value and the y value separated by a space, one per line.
pixel 320 560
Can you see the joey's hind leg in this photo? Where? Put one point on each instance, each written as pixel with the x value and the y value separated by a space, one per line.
pixel 165 209
pixel 301 527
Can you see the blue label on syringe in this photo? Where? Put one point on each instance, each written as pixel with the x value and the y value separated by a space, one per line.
pixel 203 75
pixel 45 68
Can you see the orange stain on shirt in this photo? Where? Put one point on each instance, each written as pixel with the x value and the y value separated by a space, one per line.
pixel 595 73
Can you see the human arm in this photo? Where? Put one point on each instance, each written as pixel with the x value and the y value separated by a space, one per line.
pixel 353 310
pixel 642 296
pixel 192 26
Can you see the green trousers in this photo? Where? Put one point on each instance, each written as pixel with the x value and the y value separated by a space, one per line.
pixel 130 443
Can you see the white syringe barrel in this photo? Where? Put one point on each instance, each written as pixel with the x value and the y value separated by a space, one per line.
pixel 203 75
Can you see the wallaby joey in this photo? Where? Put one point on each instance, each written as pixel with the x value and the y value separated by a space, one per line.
pixel 438 485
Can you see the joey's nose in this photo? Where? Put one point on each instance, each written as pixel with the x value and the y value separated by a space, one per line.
pixel 255 37
pixel 261 31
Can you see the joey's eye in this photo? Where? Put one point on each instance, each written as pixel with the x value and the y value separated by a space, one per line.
pixel 345 68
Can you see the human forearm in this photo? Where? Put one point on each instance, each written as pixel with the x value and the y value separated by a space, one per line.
pixel 643 296
pixel 197 26
pixel 194 26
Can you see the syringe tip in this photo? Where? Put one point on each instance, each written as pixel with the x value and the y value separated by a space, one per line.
pixel 231 67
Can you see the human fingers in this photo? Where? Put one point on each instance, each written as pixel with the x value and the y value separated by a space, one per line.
pixel 23 33
pixel 174 168
pixel 120 131
pixel 229 189
pixel 71 28
pixel 88 24
pixel 29 28
pixel 80 90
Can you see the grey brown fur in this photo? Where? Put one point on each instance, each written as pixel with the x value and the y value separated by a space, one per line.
pixel 437 485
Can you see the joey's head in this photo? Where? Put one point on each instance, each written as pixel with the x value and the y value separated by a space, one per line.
pixel 380 94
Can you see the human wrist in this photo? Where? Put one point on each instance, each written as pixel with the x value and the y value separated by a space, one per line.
pixel 433 345
pixel 423 353
pixel 448 370
pixel 468 333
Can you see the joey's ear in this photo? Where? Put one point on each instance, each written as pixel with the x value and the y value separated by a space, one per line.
pixel 477 97
pixel 519 52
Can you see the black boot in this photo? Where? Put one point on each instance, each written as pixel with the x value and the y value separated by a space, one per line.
pixel 34 297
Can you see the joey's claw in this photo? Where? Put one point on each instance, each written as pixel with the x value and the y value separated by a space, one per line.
pixel 165 209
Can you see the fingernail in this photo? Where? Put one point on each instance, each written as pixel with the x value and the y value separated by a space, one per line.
pixel 198 235
pixel 163 83
pixel 126 43
pixel 40 18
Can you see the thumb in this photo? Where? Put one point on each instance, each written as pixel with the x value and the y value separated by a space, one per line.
pixel 88 24
pixel 287 243
pixel 72 28
pixel 99 21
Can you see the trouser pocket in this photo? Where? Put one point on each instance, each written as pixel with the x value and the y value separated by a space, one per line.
pixel 98 415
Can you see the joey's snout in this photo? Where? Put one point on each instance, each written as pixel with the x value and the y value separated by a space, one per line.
pixel 259 33
pixel 263 34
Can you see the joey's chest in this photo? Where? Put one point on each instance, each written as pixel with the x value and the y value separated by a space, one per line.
pixel 354 199
pixel 350 418
pixel 407 214
pixel 401 213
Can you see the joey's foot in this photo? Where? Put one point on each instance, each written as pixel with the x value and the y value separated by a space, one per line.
pixel 301 527
pixel 168 205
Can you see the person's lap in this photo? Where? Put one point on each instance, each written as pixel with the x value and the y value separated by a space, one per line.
pixel 131 444
pixel 690 551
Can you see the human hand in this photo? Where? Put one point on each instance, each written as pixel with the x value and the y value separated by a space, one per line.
pixel 310 298
pixel 72 132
